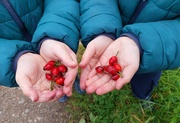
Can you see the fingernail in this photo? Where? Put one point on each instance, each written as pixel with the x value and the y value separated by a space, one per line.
pixel 32 99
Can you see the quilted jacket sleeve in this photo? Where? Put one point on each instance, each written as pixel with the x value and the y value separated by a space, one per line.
pixel 9 51
pixel 60 21
pixel 160 42
pixel 97 17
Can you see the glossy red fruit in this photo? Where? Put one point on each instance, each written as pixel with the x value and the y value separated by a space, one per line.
pixel 62 68
pixel 48 76
pixel 112 60
pixel 115 77
pixel 55 71
pixel 110 69
pixel 99 69
pixel 60 81
pixel 117 67
pixel 48 66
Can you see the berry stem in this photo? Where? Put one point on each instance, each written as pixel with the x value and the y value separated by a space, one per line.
pixel 117 52
pixel 121 75
pixel 52 85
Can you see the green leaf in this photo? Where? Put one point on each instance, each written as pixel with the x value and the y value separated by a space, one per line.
pixel 82 120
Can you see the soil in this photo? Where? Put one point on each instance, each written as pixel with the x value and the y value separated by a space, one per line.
pixel 16 108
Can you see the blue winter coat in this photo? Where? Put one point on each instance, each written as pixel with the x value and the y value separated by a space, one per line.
pixel 153 24
pixel 56 19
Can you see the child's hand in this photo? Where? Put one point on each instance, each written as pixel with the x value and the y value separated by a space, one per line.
pixel 55 50
pixel 30 77
pixel 91 56
pixel 128 57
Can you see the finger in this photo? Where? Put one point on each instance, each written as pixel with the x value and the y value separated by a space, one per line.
pixel 68 90
pixel 83 76
pixel 102 61
pixel 46 96
pixel 27 88
pixel 68 57
pixel 98 83
pixel 59 94
pixel 88 54
pixel 106 88
pixel 69 94
pixel 70 76
pixel 127 73
pixel 92 80
pixel 92 72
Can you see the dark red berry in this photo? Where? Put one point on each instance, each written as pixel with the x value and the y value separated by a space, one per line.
pixel 62 68
pixel 115 77
pixel 55 71
pixel 112 60
pixel 48 76
pixel 60 81
pixel 99 69
pixel 117 67
pixel 110 69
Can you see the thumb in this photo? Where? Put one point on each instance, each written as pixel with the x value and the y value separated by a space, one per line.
pixel 27 89
pixel 68 57
pixel 88 54
pixel 127 74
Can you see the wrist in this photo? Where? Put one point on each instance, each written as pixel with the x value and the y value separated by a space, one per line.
pixel 128 42
pixel 135 39
pixel 19 56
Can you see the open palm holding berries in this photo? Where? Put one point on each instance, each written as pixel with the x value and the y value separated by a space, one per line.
pixel 113 68
pixel 55 73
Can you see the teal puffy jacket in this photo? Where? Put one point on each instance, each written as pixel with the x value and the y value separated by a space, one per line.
pixel 56 19
pixel 155 24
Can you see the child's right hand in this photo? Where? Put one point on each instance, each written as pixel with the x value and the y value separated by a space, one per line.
pixel 129 59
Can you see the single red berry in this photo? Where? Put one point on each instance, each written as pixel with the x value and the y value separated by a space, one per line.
pixel 62 68
pixel 112 60
pixel 110 69
pixel 99 69
pixel 48 76
pixel 55 71
pixel 51 62
pixel 49 65
pixel 117 67
pixel 60 80
pixel 115 77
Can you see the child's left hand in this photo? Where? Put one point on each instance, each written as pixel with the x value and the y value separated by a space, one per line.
pixel 30 77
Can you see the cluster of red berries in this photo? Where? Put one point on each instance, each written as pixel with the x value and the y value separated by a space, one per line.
pixel 113 68
pixel 56 72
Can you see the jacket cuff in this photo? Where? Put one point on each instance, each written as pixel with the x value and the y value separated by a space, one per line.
pixel 40 43
pixel 112 36
pixel 42 40
pixel 18 55
pixel 135 39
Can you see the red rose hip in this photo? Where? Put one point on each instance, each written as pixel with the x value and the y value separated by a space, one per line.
pixel 117 67
pixel 48 76
pixel 55 71
pixel 113 60
pixel 115 77
pixel 60 81
pixel 110 69
pixel 62 68
pixel 99 69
